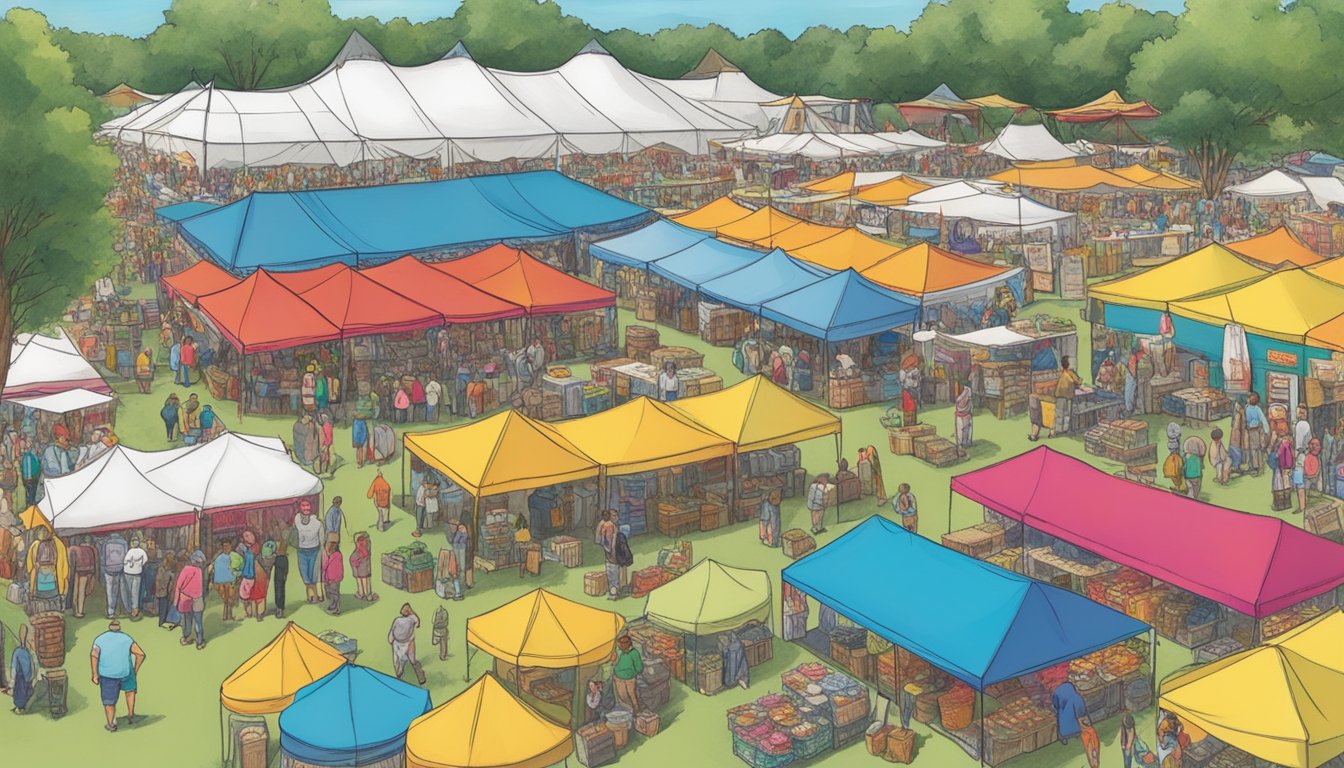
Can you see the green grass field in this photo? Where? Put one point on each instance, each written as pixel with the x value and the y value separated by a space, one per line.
pixel 179 687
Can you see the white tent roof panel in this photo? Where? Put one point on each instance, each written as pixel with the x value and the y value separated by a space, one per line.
pixel 1027 143
pixel 993 208
pixel 63 402
pixel 1276 183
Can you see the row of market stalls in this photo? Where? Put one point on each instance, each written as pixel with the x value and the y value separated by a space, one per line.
pixel 671 467
pixel 50 383
pixel 358 327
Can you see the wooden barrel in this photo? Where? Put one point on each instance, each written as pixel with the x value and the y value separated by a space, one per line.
pixel 49 637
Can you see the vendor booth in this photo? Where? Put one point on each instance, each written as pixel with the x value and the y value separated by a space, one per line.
pixel 353 717
pixel 956 293
pixel 980 218
pixel 1253 577
pixel 545 648
pixel 49 383
pixel 942 656
pixel 1279 247
pixel 267 682
pixel 485 726
pixel 1003 365
pixel 717 617
pixel 1280 702
pixel 1268 200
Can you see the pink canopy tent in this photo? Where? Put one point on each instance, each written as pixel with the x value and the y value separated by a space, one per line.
pixel 1252 564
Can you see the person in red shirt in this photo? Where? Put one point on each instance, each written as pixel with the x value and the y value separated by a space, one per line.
pixel 333 572
pixel 417 400
pixel 187 360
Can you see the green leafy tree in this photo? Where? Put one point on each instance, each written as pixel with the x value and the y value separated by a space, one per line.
pixel 55 234
pixel 103 61
pixel 1095 61
pixel 519 34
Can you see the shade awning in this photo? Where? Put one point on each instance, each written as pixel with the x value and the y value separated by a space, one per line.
pixel 200 279
pixel 1073 178
pixel 352 716
pixel 636 249
pixel 1027 143
pixel 757 414
pixel 542 629
pixel 704 261
pixel 1277 247
pixel 924 269
pixel 770 276
pixel 844 306
pixel 1107 107
pixel 896 191
pixel 485 726
pixel 63 402
pixel 1210 268
pixel 452 298
pixel 714 214
pixel 711 598
pixel 851 249
pixel 266 683
pixel 1253 564
pixel 1271 184
pixel 1284 305
pixel 360 306
pixel 261 315
pixel 517 277
pixel 640 436
pixel 1011 626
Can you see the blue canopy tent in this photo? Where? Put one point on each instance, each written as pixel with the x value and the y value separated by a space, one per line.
pixel 775 274
pixel 352 717
pixel 705 261
pixel 285 231
pixel 845 305
pixel 975 621
pixel 660 239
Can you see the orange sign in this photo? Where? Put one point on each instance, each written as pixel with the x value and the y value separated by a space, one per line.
pixel 1277 357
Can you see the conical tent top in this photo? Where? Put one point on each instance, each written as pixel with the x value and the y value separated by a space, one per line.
pixel 593 47
pixel 459 51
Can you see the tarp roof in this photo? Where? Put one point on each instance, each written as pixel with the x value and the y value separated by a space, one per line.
pixel 518 277
pixel 1208 269
pixel 1277 247
pixel 816 146
pixel 704 261
pixel 1274 702
pixel 1253 564
pixel 1107 107
pixel 1284 305
pixel 1007 625
pixel 712 64
pixel 485 726
pixel 910 139
pixel 843 306
pixel 368 225
pixel 895 191
pixel 260 315
pixel 501 453
pixel 638 248
pixel 234 470
pixel 759 227
pixel 266 683
pixel 49 365
pixel 112 492
pixel 995 101
pixel 848 181
pixel 955 190
pixel 1324 190
pixel 1152 179
pixel 1064 179
pixel 1027 143
pixel 200 279
pixel 1006 210
pixel 771 276
pixel 711 598
pixel 714 214
pixel 850 249
pixel 802 235
pixel 353 716
pixel 359 306
pixel 940 99
pixel 756 414
pixel 452 298
pixel 122 95
pixel 542 629
pixel 924 269
pixel 63 402
pixel 1273 183
pixel 640 436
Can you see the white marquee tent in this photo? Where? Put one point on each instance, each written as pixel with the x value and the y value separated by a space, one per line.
pixel 49 365
pixel 1275 183
pixel 1027 143
pixel 993 208
pixel 363 108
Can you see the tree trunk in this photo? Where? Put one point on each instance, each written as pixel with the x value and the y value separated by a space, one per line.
pixel 1213 162
pixel 6 327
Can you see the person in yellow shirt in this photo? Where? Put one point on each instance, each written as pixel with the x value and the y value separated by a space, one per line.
pixel 1065 388
pixel 144 370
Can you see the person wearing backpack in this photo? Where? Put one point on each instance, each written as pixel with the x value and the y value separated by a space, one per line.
pixel 113 555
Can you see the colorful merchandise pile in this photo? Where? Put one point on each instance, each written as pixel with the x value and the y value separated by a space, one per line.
pixel 1197 404
pixel 820 710
pixel 1124 441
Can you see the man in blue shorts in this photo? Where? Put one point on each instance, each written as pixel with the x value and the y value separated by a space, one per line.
pixel 116 659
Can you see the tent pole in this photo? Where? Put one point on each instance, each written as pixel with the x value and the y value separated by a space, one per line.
pixel 981 696
pixel 949 509
pixel 402 473
pixel 472 532
pixel 1152 669
pixel 242 383
pixel 839 454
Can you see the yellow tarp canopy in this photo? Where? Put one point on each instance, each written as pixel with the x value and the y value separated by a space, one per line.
pixel 851 249
pixel 995 101
pixel 922 269
pixel 761 227
pixel 1282 702
pixel 1160 180
pixel 1071 178
pixel 897 191
pixel 713 214
pixel 1210 268
pixel 640 436
pixel 32 517
pixel 1285 305
pixel 757 414
pixel 841 183
pixel 485 726
pixel 542 629
pixel 1328 335
pixel 802 235
pixel 1110 105
pixel 505 452
pixel 267 682
pixel 1277 247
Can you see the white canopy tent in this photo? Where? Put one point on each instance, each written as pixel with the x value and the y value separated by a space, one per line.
pixel 911 139
pixel 815 146
pixel 1275 183
pixel 363 108
pixel 48 365
pixel 954 191
pixel 1324 190
pixel 1027 143
pixel 234 470
pixel 993 208
pixel 111 493
pixel 64 402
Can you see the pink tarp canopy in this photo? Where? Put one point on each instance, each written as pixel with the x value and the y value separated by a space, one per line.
pixel 1253 564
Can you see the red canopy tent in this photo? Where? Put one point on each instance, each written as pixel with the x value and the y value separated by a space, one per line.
pixel 261 315
pixel 359 306
pixel 200 279
pixel 452 298
pixel 1111 107
pixel 515 276
pixel 304 279
pixel 1253 564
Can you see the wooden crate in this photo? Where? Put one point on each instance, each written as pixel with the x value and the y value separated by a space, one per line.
pixel 684 357
pixel 797 543
pixel 677 522
pixel 760 651
pixel 972 541
pixel 901 440
pixel 940 452
pixel 595 583
pixel 569 551
pixel 1323 519
pixel 1193 637
pixel 420 581
pixel 857 662
pixel 711 517
pixel 846 393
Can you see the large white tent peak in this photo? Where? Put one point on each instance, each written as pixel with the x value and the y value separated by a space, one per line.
pixel 1027 143
pixel 48 365
pixel 1275 183
pixel 356 48
pixel 459 51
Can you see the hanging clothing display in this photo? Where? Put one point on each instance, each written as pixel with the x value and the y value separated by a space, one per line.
pixel 1236 359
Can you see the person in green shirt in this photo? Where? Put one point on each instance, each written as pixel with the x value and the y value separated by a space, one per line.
pixel 628 663
pixel 1194 465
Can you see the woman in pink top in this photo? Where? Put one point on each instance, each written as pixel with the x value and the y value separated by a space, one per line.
pixel 333 570
pixel 401 402
pixel 189 596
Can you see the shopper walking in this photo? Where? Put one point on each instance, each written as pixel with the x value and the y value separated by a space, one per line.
pixel 190 597
pixel 224 579
pixel 84 564
pixel 115 660
pixel 402 639
pixel 113 556
pixel 308 530
pixel 1257 434
pixel 24 668
pixel 627 664
pixel 816 502
pixel 280 568
pixel 361 567
pixel 381 493
pixel 132 571
pixel 333 571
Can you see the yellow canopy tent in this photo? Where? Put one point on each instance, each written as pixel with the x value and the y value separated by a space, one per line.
pixel 841 183
pixel 761 227
pixel 485 726
pixel 1282 702
pixel 542 629
pixel 757 414
pixel 1210 268
pixel 714 214
pixel 1072 178
pixel 1328 335
pixel 123 96
pixel 267 682
pixel 801 235
pixel 640 436
pixel 923 269
pixel 1278 247
pixel 1284 305
pixel 1160 180
pixel 852 249
pixel 995 101
pixel 894 192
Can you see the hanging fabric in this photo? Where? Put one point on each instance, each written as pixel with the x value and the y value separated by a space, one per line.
pixel 1236 359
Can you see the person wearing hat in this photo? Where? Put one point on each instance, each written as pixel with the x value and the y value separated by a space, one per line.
pixel 627 664
pixel 115 660
pixel 310 533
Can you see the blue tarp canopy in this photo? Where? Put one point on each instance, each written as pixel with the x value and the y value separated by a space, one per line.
pixel 353 716
pixel 705 261
pixel 844 306
pixel 636 249
pixel 179 211
pixel 368 225
pixel 774 275
pixel 975 621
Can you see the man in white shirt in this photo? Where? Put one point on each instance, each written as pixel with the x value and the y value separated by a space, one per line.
pixel 309 532
pixel 132 568
pixel 536 360
pixel 433 394
pixel 426 505
pixel 669 384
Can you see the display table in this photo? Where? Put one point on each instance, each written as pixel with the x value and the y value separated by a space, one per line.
pixel 1042 563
